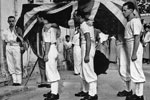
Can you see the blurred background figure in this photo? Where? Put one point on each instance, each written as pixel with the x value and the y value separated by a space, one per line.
pixel 146 52
pixel 77 52
pixel 112 50
pixel 68 53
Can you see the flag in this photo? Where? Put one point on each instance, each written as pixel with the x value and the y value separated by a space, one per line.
pixel 59 13
pixel 106 15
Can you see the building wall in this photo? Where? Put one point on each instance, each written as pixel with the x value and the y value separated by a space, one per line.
pixel 8 8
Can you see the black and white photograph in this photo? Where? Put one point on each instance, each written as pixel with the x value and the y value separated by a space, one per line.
pixel 74 49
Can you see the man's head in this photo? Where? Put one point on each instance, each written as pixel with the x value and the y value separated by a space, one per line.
pixel 78 16
pixel 11 21
pixel 128 9
pixel 147 27
pixel 42 17
pixel 67 37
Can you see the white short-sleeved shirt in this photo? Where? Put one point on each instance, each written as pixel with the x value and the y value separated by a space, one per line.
pixel 7 35
pixel 50 35
pixel 133 27
pixel 87 28
pixel 67 45
pixel 76 40
pixel 103 37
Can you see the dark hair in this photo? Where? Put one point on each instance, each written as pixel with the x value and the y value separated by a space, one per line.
pixel 50 18
pixel 11 17
pixel 42 14
pixel 130 5
pixel 146 26
pixel 80 13
pixel 142 21
pixel 67 36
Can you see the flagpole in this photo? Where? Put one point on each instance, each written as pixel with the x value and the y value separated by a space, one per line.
pixel 21 48
pixel 15 8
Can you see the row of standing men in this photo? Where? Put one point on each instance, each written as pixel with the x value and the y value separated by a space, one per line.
pixel 130 55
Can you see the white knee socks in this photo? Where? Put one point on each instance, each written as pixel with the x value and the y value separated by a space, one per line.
pixel 128 85
pixel 14 77
pixel 54 87
pixel 19 78
pixel 85 86
pixel 92 88
pixel 139 89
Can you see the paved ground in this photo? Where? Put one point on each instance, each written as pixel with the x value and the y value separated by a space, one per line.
pixel 108 85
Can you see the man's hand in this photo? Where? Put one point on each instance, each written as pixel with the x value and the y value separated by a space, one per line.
pixel 134 57
pixel 45 58
pixel 86 59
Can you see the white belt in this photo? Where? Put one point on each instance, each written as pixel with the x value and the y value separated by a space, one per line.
pixel 129 39
pixel 119 42
pixel 76 45
pixel 12 44
pixel 84 42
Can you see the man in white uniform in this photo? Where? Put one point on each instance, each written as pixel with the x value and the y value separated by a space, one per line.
pixel 88 76
pixel 13 54
pixel 134 51
pixel 49 37
pixel 76 52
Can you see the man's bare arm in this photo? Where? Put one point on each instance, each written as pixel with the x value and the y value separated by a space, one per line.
pixel 47 48
pixel 88 47
pixel 135 47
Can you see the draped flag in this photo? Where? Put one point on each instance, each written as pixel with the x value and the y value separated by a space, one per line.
pixel 59 13
pixel 106 15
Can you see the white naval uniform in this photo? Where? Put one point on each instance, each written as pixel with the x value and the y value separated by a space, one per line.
pixel 52 73
pixel 134 27
pixel 87 73
pixel 122 60
pixel 77 52
pixel 13 55
pixel 135 67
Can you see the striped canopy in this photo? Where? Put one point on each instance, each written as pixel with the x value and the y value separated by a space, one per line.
pixel 106 14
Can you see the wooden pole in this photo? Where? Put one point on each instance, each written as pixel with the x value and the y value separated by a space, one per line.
pixel 16 15
pixel 31 71
pixel 15 8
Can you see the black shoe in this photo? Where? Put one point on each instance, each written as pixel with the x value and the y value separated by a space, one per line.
pixel 134 97
pixel 47 94
pixel 139 98
pixel 131 97
pixel 90 97
pixel 148 62
pixel 48 85
pixel 52 97
pixel 44 85
pixel 76 74
pixel 18 84
pixel 14 84
pixel 124 93
pixel 81 94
